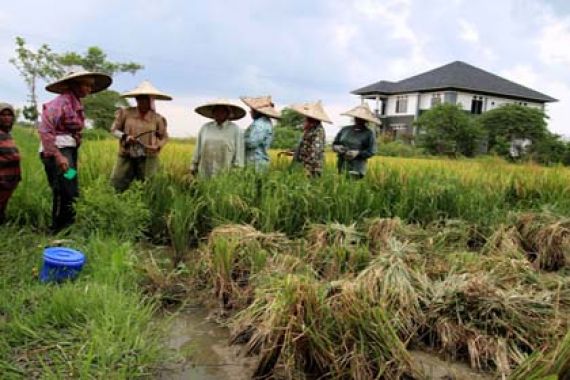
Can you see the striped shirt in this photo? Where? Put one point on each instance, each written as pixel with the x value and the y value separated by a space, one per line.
pixel 10 173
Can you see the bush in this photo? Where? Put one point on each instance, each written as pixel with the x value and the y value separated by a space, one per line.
pixel 285 138
pixel 399 149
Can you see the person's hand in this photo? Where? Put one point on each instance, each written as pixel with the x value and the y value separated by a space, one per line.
pixel 351 154
pixel 340 149
pixel 62 162
pixel 194 171
pixel 129 140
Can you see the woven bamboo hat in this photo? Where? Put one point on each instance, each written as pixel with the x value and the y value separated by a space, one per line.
pixel 312 110
pixel 100 81
pixel 6 106
pixel 364 112
pixel 207 110
pixel 146 88
pixel 262 104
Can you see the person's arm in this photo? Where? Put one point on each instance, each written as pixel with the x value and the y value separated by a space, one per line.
pixel 337 146
pixel 118 127
pixel 196 156
pixel 314 161
pixel 369 148
pixel 239 154
pixel 51 116
pixel 161 132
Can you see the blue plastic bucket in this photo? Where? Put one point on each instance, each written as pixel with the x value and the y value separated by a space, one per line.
pixel 60 264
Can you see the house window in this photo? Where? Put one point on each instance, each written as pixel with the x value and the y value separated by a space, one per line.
pixel 435 100
pixel 402 104
pixel 477 105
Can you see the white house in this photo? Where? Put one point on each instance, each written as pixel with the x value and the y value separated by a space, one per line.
pixel 398 104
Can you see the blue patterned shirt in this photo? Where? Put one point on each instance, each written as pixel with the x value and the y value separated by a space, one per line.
pixel 257 139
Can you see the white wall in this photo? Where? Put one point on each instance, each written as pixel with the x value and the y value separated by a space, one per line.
pixel 492 102
pixel 412 105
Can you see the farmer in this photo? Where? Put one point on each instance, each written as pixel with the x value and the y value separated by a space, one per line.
pixel 355 144
pixel 220 142
pixel 258 136
pixel 60 129
pixel 311 150
pixel 9 159
pixel 142 134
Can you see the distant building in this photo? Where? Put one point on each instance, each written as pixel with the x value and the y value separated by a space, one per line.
pixel 398 104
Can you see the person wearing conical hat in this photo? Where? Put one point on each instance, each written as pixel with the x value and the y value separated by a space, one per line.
pixel 259 134
pixel 219 146
pixel 311 150
pixel 62 123
pixel 142 134
pixel 355 144
pixel 9 158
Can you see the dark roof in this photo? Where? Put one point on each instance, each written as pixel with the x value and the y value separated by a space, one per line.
pixel 456 75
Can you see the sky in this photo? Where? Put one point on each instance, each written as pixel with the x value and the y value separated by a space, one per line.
pixel 295 50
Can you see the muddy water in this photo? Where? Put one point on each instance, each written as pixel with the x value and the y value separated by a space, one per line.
pixel 202 347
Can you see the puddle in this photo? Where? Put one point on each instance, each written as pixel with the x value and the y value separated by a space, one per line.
pixel 203 349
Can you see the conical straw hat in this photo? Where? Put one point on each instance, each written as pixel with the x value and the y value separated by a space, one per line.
pixel 262 104
pixel 146 88
pixel 100 81
pixel 364 112
pixel 206 110
pixel 312 110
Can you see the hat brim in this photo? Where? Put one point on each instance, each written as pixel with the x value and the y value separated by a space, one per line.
pixel 101 82
pixel 207 110
pixel 367 118
pixel 156 96
pixel 267 111
pixel 311 115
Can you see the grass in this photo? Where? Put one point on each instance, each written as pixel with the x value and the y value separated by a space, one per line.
pixel 330 277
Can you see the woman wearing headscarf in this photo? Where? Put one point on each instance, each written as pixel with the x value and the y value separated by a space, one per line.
pixel 142 134
pixel 62 122
pixel 219 146
pixel 311 150
pixel 259 134
pixel 356 143
pixel 9 159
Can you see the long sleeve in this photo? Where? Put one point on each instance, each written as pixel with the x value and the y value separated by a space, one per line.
pixel 239 155
pixel 258 134
pixel 369 148
pixel 118 127
pixel 50 117
pixel 161 133
pixel 197 149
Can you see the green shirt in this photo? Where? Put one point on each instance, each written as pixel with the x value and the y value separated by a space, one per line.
pixel 360 139
pixel 218 148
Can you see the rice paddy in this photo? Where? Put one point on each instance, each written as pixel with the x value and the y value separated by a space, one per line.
pixel 317 279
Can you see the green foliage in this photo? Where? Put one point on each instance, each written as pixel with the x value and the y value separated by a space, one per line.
pixel 34 65
pixel 100 209
pixel 92 134
pixel 96 60
pixel 290 119
pixel 551 150
pixel 447 129
pixel 399 149
pixel 285 137
pixel 513 121
pixel 101 108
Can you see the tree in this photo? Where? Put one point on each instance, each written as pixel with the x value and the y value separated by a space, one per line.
pixel 34 65
pixel 290 119
pixel 512 122
pixel 100 107
pixel 447 129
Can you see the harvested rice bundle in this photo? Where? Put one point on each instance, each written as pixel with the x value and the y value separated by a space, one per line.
pixel 545 238
pixel 321 236
pixel 505 240
pixel 453 234
pixel 389 282
pixel 321 331
pixel 245 234
pixel 471 318
pixel 380 231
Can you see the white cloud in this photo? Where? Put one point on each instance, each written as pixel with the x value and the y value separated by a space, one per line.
pixel 468 32
pixel 554 41
pixel 522 74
